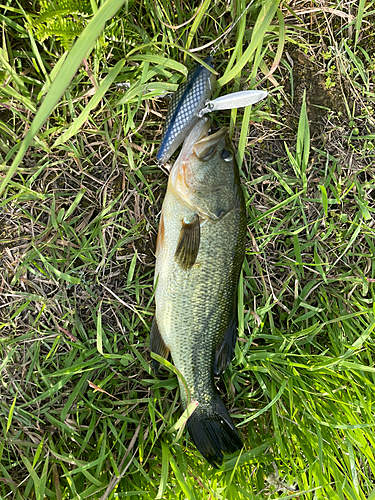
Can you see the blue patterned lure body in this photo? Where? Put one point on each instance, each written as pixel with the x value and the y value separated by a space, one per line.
pixel 183 110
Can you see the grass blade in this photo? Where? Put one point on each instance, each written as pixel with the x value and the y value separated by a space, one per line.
pixel 164 471
pixel 80 49
pixel 94 101
pixel 10 416
pixel 263 22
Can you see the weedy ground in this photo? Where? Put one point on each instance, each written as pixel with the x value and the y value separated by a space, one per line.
pixel 82 414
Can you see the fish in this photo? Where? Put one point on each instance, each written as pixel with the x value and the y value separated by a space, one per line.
pixel 186 103
pixel 199 253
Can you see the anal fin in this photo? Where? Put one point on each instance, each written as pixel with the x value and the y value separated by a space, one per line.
pixel 225 350
pixel 188 242
pixel 157 345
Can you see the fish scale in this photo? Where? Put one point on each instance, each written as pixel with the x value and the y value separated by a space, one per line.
pixel 184 107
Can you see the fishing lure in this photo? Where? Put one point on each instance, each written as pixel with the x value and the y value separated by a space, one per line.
pixel 186 103
pixel 191 101
pixel 232 101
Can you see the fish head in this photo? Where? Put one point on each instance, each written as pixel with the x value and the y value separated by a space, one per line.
pixel 205 175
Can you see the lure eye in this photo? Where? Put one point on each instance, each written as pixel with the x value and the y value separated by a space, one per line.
pixel 227 155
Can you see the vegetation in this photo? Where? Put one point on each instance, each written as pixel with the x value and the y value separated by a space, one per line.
pixel 82 414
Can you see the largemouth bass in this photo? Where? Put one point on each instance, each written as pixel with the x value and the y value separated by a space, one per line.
pixel 200 249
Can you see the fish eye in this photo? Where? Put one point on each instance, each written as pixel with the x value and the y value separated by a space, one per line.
pixel 227 155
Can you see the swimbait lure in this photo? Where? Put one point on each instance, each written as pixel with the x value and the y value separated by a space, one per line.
pixel 186 103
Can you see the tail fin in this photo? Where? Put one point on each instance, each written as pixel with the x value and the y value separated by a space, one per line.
pixel 213 432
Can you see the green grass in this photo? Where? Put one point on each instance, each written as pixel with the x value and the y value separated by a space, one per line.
pixel 82 414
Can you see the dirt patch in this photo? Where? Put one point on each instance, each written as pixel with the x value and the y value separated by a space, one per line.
pixel 323 94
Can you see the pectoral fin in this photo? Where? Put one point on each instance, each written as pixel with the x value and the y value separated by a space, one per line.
pixel 225 350
pixel 157 345
pixel 188 242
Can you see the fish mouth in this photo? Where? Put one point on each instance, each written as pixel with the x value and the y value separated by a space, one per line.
pixel 206 145
pixel 198 142
pixel 198 133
